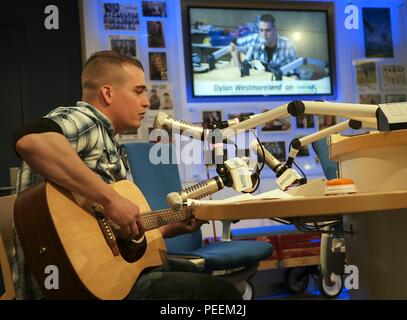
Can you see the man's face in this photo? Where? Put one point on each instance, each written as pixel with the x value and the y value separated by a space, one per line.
pixel 268 32
pixel 129 100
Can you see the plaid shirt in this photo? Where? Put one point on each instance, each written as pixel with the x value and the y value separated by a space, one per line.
pixel 91 134
pixel 284 52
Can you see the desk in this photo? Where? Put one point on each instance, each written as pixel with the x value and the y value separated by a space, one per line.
pixel 377 214
pixel 376 162
pixel 304 207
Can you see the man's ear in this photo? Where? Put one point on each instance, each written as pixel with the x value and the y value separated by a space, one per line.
pixel 107 94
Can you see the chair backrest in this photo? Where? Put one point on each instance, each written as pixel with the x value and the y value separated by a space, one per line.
pixel 329 167
pixel 7 291
pixel 156 181
pixel 6 224
pixel 6 247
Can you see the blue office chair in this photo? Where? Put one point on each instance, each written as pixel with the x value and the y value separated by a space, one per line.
pixel 322 151
pixel 239 259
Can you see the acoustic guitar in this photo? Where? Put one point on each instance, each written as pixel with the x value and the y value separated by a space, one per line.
pixel 60 229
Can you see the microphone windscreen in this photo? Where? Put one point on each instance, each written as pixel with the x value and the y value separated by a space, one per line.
pixel 174 200
pixel 160 119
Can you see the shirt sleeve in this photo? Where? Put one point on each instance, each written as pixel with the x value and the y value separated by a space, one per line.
pixel 36 126
pixel 79 129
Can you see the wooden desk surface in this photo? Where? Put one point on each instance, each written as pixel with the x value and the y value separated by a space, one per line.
pixel 305 206
pixel 340 145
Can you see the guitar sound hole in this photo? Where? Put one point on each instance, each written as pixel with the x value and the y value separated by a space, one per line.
pixel 130 250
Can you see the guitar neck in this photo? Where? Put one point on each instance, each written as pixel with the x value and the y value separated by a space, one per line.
pixel 155 219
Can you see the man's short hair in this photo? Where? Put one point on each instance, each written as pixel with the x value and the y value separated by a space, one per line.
pixel 104 67
pixel 268 18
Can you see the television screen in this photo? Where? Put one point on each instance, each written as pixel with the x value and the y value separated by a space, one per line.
pixel 258 52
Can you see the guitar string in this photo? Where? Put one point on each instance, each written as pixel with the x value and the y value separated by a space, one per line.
pixel 151 218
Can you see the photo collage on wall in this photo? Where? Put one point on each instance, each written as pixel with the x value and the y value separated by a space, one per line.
pixel 378 81
pixel 129 27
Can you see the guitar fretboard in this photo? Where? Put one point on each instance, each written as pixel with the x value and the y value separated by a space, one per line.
pixel 158 218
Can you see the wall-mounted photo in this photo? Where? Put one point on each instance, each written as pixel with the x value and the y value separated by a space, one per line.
pixel 158 65
pixel 305 121
pixel 377 32
pixel 154 9
pixel 211 116
pixel 393 98
pixel 366 76
pixel 370 98
pixel 160 96
pixel 326 121
pixel 277 149
pixel 155 34
pixel 393 76
pixel 125 45
pixel 119 16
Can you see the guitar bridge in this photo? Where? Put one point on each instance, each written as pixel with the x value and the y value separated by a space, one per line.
pixel 107 231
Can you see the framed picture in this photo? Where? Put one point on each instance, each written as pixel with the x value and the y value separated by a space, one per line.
pixel 325 121
pixel 160 96
pixel 366 76
pixel 120 16
pixel 211 116
pixel 158 65
pixel 393 76
pixel 373 98
pixel 125 45
pixel 154 9
pixel 377 33
pixel 305 121
pixel 393 98
pixel 155 34
pixel 277 149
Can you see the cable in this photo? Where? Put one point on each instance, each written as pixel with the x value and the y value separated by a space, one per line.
pixel 299 169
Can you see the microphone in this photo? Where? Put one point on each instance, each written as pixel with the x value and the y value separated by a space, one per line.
pixel 166 122
pixel 200 190
pixel 237 174
pixel 286 176
pixel 272 162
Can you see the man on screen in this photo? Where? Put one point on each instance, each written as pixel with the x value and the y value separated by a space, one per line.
pixel 271 49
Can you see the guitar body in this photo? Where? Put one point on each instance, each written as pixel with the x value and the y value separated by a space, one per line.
pixel 58 228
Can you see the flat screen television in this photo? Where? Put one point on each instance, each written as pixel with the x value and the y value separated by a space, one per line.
pixel 251 50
